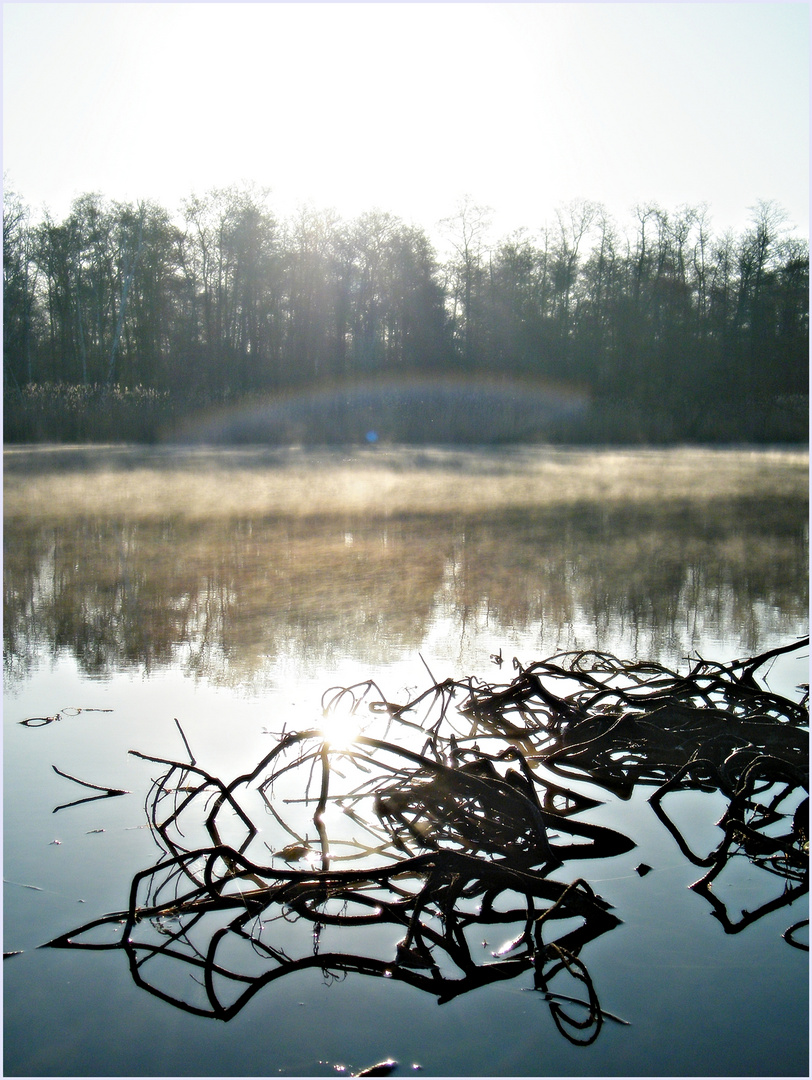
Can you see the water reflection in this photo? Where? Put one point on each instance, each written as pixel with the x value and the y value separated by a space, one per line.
pixel 399 855
pixel 225 599
pixel 271 571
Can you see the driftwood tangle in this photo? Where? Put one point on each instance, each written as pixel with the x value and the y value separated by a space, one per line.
pixel 452 828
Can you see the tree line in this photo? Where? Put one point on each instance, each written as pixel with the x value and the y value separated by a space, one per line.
pixel 229 299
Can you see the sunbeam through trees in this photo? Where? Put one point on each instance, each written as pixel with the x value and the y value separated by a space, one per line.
pixel 668 330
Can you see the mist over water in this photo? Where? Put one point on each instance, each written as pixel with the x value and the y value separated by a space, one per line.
pixel 226 564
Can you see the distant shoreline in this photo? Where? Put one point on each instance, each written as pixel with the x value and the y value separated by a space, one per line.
pixel 407 411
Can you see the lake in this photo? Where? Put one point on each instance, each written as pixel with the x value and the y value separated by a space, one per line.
pixel 196 604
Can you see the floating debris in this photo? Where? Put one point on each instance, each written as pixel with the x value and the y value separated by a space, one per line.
pixel 43 721
pixel 20 885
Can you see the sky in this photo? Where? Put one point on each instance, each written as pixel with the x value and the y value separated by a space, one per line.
pixel 410 107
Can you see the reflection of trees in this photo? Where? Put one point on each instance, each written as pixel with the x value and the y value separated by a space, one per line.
pixel 645 567
pixel 392 856
pixel 228 595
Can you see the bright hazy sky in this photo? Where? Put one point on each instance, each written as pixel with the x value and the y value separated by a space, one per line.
pixel 408 106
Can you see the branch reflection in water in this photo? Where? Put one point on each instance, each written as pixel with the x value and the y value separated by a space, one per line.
pixel 413 848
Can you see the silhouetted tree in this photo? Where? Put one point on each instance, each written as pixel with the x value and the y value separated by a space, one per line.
pixel 666 319
pixel 20 311
pixel 467 231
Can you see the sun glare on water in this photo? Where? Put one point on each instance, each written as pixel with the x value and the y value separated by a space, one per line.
pixel 340 730
pixel 348 711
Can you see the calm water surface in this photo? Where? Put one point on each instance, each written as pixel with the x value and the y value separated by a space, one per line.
pixel 230 589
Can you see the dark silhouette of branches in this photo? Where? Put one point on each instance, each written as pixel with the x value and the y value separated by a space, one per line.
pixel 439 844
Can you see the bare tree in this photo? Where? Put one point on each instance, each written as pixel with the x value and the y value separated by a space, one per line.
pixel 467 231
